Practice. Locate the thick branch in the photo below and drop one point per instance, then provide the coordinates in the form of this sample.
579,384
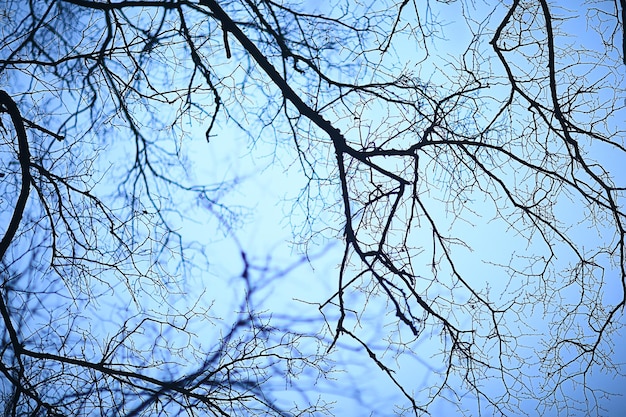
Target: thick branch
9,106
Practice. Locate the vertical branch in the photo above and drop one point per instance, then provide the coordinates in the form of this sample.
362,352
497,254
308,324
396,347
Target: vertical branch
9,106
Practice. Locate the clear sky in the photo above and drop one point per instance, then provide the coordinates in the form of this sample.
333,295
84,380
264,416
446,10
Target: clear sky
272,184
294,241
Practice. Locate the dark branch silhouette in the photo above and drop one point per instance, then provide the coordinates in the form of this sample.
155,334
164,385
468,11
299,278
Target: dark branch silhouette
469,169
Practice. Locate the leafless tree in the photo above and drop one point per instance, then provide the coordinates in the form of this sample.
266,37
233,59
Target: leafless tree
471,168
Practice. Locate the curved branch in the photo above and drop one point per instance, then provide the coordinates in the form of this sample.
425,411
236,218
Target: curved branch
10,107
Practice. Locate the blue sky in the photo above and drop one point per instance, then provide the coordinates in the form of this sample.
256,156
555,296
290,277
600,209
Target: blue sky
271,188
299,238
